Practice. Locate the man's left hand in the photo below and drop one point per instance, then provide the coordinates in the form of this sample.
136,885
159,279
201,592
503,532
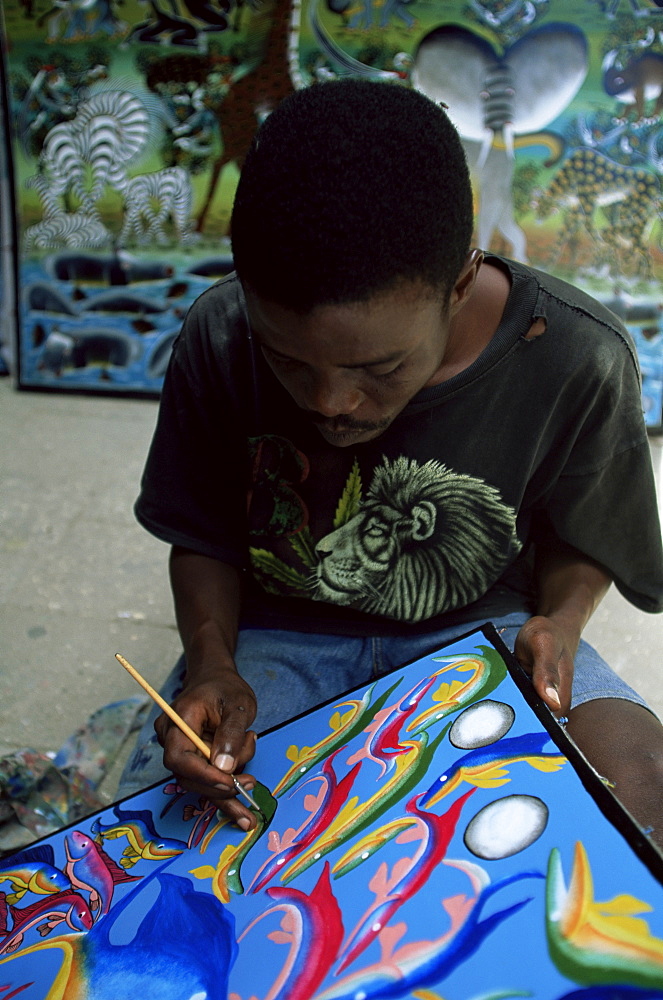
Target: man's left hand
544,650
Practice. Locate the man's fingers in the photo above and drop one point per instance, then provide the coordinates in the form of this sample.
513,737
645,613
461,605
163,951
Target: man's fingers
220,714
197,775
245,818
231,807
541,652
233,746
551,696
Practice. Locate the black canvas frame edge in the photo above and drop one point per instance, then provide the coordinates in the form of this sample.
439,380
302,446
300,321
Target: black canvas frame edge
594,785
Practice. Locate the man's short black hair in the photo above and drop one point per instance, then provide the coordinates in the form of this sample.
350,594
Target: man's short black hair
349,188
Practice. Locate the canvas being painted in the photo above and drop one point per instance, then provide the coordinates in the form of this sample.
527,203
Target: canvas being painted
433,835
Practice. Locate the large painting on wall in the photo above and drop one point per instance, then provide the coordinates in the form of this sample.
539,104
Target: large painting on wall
131,122
434,834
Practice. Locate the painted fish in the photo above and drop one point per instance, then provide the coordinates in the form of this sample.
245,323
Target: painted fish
63,907
355,816
384,742
486,767
144,841
367,846
90,868
33,871
333,796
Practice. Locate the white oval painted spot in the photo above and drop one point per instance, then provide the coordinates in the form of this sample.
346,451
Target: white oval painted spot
505,827
481,724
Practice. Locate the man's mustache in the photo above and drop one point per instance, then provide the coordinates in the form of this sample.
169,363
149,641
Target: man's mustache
339,426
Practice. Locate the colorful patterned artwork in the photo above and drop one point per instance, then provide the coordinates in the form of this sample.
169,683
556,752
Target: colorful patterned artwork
433,835
131,119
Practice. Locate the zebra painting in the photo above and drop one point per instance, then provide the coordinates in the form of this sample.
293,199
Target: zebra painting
67,229
150,200
91,151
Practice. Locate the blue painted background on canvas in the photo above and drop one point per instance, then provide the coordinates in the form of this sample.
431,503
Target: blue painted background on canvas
423,837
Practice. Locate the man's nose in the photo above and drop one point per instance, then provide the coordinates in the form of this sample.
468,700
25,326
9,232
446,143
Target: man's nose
333,395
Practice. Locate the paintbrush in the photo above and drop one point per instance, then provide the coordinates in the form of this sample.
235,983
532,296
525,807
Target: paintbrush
181,724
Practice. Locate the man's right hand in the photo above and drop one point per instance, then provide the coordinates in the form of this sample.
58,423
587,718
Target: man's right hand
217,704
220,709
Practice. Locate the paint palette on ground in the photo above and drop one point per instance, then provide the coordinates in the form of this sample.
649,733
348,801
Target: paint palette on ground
434,834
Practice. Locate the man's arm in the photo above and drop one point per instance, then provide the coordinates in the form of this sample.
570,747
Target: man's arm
570,587
215,702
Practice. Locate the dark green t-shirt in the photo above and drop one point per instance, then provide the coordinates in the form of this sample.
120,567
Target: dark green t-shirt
433,523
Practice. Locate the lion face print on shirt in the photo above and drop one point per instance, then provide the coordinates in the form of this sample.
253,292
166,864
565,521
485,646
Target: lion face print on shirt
422,540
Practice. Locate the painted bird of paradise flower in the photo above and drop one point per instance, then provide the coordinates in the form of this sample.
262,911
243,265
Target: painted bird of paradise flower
344,728
593,942
488,671
355,815
226,875
312,927
433,834
488,767
384,731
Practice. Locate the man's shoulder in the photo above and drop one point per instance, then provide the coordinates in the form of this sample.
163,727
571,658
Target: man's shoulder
216,325
581,325
565,295
213,352
223,300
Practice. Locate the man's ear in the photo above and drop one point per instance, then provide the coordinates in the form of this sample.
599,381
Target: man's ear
466,280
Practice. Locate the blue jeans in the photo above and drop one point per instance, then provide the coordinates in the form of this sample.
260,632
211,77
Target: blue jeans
292,672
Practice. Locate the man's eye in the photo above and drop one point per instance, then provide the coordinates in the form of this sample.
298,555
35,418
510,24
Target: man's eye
278,360
393,372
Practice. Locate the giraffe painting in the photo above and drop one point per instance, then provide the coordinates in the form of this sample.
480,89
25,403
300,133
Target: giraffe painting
252,96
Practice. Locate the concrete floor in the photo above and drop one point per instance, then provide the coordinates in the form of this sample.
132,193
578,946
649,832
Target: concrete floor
81,580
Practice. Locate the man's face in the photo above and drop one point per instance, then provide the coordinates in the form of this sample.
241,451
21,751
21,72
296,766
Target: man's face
352,368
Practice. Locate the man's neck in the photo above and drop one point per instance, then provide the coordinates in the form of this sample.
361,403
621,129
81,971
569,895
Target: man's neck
473,326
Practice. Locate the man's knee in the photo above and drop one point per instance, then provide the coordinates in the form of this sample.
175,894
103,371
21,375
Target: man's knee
624,742
621,733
